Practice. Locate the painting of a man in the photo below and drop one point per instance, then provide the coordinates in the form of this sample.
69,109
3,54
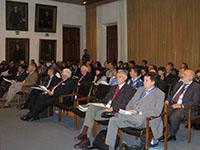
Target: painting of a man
18,54
46,18
47,50
17,49
16,16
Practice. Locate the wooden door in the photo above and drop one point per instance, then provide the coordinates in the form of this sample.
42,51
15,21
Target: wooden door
71,44
112,44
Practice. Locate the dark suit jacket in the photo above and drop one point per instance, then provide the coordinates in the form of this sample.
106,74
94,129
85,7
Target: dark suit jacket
22,76
170,79
191,96
55,80
30,102
86,83
122,98
64,88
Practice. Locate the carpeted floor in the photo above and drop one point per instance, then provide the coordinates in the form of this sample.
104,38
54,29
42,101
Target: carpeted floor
48,134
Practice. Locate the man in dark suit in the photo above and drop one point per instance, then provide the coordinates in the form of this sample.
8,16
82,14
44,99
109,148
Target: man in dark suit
171,76
85,81
183,96
117,98
51,81
50,97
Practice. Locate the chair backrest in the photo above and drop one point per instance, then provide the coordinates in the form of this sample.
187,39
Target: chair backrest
101,91
84,90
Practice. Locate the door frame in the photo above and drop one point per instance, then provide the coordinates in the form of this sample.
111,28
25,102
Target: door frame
108,25
82,35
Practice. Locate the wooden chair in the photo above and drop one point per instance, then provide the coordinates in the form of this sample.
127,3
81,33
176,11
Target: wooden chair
146,132
76,99
100,92
191,118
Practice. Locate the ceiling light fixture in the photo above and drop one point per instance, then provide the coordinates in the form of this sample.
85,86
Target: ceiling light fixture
84,2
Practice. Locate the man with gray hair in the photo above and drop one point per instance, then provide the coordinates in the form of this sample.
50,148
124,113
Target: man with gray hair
50,97
117,98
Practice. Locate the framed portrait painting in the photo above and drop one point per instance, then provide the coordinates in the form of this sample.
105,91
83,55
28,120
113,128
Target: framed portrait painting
17,49
16,16
45,18
47,50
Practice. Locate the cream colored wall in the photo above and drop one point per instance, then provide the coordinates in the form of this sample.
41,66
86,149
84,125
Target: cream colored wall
108,14
67,15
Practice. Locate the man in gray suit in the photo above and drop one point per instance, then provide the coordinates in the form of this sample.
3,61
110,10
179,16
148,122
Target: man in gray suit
147,101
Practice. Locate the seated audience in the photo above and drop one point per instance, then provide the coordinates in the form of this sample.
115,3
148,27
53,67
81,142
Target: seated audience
50,82
109,68
184,66
147,101
162,85
113,78
85,81
25,86
135,81
117,98
99,78
171,76
183,96
20,76
50,97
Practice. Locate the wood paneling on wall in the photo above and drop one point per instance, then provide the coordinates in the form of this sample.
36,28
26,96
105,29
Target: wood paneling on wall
164,30
91,31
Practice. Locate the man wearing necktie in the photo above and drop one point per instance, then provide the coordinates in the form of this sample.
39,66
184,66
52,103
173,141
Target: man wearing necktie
51,81
117,98
183,96
85,82
50,97
148,101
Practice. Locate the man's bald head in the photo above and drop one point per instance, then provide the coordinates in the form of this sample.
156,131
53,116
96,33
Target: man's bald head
188,76
84,70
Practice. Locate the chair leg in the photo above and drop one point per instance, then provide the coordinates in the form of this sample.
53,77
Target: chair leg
61,115
95,126
49,111
76,121
189,131
147,139
165,127
189,125
120,136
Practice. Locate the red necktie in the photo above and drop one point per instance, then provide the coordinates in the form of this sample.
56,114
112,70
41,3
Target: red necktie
56,86
116,92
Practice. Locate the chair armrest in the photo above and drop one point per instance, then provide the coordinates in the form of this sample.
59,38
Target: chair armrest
164,112
192,108
82,99
195,106
66,95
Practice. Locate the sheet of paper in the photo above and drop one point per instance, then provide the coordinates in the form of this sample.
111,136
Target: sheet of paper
10,81
125,112
40,88
98,104
83,108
